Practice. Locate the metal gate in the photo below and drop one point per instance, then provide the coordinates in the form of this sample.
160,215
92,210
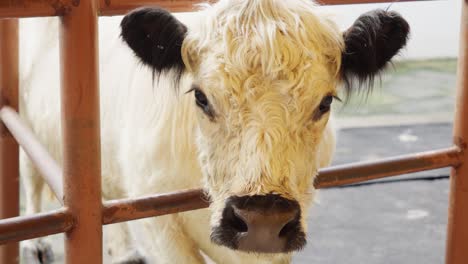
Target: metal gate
83,212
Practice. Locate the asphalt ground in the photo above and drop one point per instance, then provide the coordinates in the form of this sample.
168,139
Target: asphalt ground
394,220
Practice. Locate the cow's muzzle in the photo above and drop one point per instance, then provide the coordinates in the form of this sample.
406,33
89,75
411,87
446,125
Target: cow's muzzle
260,223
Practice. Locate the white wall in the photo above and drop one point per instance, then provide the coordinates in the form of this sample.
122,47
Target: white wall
435,25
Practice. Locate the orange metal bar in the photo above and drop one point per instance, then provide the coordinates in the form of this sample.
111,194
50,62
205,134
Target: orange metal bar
348,2
117,211
130,209
81,132
457,229
46,165
35,8
119,7
9,165
364,171
27,227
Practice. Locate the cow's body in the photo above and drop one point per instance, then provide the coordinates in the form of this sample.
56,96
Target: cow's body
270,108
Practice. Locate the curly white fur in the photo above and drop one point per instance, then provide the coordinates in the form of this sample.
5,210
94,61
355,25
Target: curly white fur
265,66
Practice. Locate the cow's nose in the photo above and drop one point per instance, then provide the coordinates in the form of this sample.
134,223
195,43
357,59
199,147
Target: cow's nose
263,223
265,231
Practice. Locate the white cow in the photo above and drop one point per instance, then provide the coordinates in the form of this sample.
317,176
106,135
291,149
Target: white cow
238,103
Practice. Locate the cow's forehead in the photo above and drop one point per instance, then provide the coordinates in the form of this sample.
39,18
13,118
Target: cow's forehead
262,43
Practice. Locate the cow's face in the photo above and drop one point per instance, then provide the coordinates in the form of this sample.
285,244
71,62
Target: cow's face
265,74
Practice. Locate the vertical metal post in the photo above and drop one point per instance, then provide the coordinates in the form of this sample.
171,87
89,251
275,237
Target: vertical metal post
81,132
9,176
457,230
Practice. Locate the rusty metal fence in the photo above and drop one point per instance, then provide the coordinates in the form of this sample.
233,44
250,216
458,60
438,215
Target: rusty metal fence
78,184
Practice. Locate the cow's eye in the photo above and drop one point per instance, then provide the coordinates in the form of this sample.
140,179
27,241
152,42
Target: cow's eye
202,101
326,104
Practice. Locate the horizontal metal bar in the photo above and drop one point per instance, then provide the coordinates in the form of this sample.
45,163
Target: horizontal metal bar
34,8
47,166
129,209
160,204
120,7
28,227
38,8
364,171
116,211
349,2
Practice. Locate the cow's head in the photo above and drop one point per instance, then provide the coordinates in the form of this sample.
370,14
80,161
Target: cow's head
265,73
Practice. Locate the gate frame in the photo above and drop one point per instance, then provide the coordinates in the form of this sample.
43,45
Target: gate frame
83,213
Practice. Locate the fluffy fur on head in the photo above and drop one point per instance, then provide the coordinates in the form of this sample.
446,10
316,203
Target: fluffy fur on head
264,66
371,42
262,70
277,39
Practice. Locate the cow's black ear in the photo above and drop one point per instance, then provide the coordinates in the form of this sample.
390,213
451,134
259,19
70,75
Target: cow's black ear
370,43
156,37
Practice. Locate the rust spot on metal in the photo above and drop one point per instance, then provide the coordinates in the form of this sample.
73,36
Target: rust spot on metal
460,142
60,8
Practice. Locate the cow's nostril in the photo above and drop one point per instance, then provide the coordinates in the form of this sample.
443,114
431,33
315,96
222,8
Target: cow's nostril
291,226
238,224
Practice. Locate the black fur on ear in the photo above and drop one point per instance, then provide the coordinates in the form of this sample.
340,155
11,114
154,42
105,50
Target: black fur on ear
370,43
156,37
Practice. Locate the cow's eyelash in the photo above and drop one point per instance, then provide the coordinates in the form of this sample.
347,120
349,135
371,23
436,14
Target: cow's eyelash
337,98
192,89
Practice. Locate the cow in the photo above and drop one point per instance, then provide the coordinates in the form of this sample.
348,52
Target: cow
238,103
